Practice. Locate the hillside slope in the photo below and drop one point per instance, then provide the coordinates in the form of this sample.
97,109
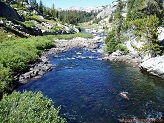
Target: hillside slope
24,21
137,30
8,12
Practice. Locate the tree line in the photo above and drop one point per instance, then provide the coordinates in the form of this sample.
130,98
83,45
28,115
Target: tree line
143,19
70,17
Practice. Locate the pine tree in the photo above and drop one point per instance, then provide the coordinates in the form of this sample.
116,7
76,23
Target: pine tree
154,7
135,9
18,3
33,4
152,35
118,20
41,7
53,11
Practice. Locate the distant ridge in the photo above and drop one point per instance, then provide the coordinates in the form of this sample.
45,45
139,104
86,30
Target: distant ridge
86,9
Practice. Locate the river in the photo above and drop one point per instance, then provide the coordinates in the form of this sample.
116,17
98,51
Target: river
87,89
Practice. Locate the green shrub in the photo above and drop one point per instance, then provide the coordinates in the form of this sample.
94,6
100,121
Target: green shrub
55,28
17,54
111,42
122,47
112,45
5,78
28,107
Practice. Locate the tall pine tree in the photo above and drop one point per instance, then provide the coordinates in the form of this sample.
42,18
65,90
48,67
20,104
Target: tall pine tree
118,20
40,7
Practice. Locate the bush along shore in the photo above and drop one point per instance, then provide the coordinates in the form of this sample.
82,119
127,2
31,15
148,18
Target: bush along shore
19,56
28,107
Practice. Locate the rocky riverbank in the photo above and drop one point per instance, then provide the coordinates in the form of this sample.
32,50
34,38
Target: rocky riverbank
153,66
121,56
42,65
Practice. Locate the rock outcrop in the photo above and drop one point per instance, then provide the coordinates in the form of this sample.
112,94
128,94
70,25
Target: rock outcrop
34,22
154,66
8,12
36,70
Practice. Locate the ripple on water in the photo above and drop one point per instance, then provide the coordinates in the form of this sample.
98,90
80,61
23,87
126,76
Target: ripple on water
87,89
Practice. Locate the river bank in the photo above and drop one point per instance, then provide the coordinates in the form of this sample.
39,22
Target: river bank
153,66
90,89
42,65
121,57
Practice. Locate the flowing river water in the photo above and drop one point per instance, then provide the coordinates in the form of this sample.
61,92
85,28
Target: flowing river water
87,89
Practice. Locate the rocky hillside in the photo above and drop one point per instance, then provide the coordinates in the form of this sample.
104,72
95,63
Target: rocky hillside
102,22
24,21
137,30
8,12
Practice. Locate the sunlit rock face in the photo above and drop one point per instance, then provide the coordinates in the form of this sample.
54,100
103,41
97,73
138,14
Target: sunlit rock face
154,66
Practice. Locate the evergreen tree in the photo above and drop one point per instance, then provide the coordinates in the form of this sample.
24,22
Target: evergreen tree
135,9
154,7
33,4
41,7
146,23
53,11
147,29
118,20
45,10
19,3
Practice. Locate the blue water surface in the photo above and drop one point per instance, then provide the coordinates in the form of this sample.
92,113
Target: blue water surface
87,89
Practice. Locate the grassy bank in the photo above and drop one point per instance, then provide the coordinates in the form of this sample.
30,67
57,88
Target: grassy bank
17,54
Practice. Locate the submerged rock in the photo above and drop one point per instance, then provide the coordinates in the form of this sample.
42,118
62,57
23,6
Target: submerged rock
124,95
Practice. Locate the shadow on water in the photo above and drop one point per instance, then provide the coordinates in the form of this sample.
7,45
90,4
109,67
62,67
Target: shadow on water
87,89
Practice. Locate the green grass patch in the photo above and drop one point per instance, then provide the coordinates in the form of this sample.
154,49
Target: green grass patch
28,24
17,54
34,17
71,36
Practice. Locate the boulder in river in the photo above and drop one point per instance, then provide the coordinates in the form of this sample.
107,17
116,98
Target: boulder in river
154,66
124,95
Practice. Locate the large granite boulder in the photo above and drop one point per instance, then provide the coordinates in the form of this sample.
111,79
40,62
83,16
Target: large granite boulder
118,53
154,66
